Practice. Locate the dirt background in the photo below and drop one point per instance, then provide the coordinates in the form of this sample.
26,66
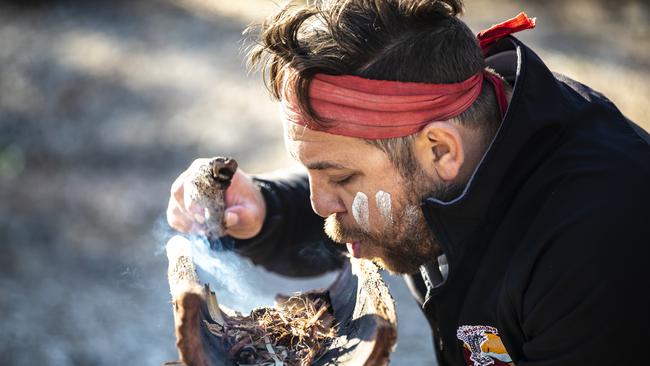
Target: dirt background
103,103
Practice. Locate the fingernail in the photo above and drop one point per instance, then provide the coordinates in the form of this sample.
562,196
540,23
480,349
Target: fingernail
199,218
231,219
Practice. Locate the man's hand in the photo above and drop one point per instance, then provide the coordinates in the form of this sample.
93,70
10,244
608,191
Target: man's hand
245,206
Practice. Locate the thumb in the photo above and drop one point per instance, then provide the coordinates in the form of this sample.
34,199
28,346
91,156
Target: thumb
240,216
242,222
231,218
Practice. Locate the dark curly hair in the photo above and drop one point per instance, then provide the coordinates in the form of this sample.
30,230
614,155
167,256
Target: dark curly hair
401,40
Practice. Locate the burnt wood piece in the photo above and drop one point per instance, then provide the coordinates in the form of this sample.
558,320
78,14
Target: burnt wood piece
193,305
362,306
209,182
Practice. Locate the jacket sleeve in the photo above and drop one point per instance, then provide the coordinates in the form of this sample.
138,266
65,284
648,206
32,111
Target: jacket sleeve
292,241
585,298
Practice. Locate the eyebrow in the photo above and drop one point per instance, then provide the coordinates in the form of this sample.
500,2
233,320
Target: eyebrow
322,165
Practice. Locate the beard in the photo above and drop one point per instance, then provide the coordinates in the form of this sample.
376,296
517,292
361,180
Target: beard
406,243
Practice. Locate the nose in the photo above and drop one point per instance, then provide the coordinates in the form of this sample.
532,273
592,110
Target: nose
323,201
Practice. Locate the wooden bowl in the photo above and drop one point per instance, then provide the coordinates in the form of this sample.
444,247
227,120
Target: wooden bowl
363,308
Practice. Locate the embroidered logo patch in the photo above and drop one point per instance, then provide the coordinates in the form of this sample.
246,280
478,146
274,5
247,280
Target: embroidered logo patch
482,346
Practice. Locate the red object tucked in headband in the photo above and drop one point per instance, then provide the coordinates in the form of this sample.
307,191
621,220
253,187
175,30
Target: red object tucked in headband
489,36
377,109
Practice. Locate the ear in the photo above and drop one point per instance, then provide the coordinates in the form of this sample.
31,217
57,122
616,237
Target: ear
439,149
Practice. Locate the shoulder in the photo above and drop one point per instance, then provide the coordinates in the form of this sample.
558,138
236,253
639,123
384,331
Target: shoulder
578,283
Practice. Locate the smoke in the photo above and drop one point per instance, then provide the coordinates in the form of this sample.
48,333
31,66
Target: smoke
230,276
234,279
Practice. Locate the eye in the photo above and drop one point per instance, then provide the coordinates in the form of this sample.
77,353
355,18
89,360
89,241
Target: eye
342,181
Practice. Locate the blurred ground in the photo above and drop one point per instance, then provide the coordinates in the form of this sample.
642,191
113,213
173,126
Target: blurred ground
102,104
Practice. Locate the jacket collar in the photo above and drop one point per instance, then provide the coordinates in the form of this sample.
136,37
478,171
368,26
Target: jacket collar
459,224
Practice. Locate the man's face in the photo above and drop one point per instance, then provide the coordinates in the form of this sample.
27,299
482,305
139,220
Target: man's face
367,203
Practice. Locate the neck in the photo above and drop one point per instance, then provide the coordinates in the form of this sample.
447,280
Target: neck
476,143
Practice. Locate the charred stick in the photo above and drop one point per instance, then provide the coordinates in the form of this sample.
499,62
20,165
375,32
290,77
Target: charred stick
209,183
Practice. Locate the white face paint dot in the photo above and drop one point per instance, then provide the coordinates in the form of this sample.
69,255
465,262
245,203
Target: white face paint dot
384,205
360,210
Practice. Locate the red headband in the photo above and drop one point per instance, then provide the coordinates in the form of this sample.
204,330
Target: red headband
377,109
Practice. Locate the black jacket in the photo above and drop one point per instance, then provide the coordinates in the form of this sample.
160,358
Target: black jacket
546,251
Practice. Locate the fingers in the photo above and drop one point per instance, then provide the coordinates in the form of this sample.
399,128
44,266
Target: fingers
177,219
176,191
184,214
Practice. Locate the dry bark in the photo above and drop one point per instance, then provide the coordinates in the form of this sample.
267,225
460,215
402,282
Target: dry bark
210,181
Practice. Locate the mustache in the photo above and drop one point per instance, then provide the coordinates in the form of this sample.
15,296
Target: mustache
340,232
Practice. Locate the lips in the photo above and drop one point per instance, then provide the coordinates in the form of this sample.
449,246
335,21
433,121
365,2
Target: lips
354,248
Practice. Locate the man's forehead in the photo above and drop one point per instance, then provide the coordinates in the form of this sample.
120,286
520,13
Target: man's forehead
299,133
319,150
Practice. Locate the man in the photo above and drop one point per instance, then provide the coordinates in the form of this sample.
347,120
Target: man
514,200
